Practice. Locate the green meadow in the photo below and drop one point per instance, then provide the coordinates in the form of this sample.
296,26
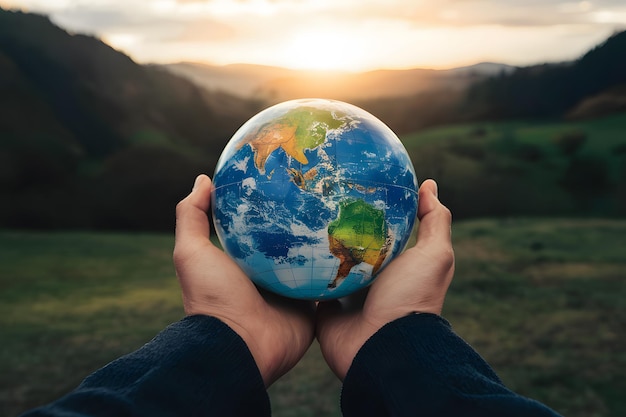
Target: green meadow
541,299
527,168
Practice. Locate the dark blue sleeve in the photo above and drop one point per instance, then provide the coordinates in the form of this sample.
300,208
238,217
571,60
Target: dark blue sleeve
417,366
195,367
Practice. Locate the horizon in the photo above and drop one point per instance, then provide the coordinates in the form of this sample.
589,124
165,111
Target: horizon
348,36
328,71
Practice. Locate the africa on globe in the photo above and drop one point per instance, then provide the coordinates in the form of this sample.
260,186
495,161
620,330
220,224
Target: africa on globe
313,198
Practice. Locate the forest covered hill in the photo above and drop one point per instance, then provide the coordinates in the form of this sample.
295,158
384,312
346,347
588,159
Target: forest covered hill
592,86
87,135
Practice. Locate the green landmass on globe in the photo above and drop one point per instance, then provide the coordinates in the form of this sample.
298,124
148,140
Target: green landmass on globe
359,234
299,129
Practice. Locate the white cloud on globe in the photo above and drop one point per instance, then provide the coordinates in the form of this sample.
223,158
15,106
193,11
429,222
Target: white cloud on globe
248,185
300,229
242,165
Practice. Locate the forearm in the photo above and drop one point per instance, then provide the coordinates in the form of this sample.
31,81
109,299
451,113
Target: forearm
417,365
197,366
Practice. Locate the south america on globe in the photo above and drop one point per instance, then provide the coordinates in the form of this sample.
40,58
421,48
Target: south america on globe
313,198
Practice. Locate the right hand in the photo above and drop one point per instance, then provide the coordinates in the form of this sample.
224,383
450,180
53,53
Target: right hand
416,281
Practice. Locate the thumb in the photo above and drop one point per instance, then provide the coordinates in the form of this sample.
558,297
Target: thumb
192,221
435,218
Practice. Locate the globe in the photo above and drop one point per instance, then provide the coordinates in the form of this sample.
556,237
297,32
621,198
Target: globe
313,198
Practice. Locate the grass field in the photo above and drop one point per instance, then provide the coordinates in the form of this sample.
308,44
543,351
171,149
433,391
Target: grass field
603,135
533,168
541,300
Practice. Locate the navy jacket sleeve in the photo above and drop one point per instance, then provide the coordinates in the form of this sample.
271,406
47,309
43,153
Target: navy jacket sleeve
195,367
417,366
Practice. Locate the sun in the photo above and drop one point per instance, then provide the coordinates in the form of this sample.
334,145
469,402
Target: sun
324,50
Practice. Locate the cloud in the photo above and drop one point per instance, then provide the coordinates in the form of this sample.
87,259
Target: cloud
391,33
102,13
206,30
513,13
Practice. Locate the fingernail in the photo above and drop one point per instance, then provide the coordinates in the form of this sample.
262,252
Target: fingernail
436,190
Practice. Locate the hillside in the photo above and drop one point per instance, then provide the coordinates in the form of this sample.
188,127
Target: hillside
90,139
554,90
274,84
591,86
77,116
409,100
611,100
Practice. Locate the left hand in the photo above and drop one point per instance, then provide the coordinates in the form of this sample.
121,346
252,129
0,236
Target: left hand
278,331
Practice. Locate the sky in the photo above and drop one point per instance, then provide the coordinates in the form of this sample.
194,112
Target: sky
352,35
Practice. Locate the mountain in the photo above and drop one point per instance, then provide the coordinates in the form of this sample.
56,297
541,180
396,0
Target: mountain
594,82
274,84
592,86
407,100
83,128
91,139
243,80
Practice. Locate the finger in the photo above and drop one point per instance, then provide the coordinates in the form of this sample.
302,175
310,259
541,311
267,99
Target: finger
428,199
435,218
192,221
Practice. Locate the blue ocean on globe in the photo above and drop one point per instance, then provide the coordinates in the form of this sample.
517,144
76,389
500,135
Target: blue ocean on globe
313,198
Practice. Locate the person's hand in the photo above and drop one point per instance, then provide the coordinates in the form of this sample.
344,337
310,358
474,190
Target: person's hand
415,282
277,331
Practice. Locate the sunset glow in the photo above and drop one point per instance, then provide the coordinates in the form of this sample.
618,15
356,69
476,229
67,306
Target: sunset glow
351,35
